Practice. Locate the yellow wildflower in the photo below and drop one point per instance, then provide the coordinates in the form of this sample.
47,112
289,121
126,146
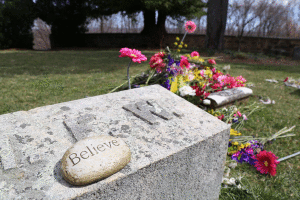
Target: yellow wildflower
185,45
241,147
180,46
235,143
247,144
186,78
174,85
175,43
181,43
178,50
177,38
234,132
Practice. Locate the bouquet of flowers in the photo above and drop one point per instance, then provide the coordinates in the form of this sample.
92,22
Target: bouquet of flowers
190,75
251,150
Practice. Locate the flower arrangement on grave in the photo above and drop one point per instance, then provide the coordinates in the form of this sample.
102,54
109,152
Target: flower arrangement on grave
188,75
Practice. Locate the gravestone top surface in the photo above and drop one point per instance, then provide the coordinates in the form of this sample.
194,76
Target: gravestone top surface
153,122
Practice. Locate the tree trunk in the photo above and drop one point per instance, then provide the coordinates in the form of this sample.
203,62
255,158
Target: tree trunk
161,28
150,30
149,22
216,24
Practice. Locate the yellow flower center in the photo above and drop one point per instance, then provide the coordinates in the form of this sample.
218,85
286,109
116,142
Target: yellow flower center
266,163
133,55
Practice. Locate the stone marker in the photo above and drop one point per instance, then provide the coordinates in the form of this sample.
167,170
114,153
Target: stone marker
178,151
94,158
296,53
228,97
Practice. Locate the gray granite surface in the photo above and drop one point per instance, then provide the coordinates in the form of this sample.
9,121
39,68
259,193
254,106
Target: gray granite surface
177,150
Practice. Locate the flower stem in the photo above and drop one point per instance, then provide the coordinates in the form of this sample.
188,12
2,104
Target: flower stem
122,84
184,36
284,158
150,76
128,74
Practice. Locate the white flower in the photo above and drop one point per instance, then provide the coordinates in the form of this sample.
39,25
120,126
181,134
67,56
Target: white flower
227,172
239,186
192,65
206,102
225,180
231,181
232,165
187,90
227,67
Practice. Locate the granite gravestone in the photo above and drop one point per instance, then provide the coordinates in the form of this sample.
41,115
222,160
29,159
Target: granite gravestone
296,53
229,96
178,151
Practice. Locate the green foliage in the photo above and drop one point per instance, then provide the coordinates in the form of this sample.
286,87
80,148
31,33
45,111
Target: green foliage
16,20
67,17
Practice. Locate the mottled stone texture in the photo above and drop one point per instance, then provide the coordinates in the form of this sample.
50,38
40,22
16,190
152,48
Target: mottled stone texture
193,173
177,150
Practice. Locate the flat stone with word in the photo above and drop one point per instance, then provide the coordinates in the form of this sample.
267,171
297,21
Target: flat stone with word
94,158
178,151
229,96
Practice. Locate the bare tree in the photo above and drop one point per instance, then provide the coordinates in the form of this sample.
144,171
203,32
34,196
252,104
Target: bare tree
244,15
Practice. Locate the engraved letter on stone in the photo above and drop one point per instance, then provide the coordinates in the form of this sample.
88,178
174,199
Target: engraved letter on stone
145,109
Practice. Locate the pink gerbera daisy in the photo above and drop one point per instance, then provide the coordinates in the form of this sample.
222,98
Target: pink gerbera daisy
190,26
195,53
266,163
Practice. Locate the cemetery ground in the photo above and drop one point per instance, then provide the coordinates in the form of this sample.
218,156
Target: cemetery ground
31,79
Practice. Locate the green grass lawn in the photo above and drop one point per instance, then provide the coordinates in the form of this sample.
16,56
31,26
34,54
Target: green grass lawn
30,79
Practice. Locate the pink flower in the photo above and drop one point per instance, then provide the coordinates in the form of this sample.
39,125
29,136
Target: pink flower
211,61
125,52
202,73
157,63
195,53
285,80
266,163
160,54
221,117
241,79
245,117
135,55
239,113
184,62
190,26
213,70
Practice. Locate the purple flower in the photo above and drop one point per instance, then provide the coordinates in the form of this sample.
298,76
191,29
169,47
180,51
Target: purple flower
171,61
235,120
177,62
166,84
235,156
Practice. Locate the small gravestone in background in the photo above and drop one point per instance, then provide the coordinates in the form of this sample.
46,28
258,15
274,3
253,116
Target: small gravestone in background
296,53
178,151
229,97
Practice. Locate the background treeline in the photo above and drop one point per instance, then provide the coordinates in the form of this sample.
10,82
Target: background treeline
20,20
